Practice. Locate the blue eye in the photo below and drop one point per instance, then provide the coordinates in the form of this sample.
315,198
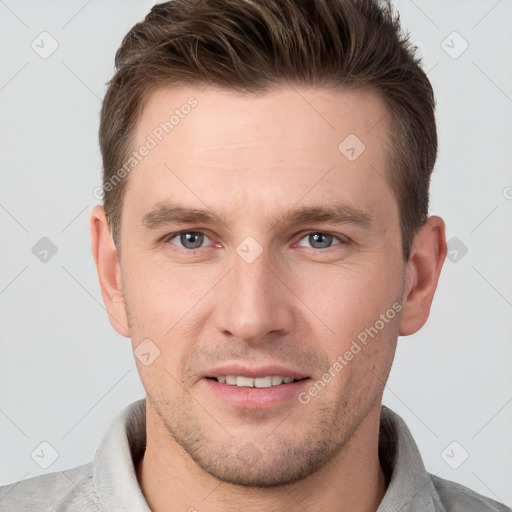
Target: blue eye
320,240
192,240
189,239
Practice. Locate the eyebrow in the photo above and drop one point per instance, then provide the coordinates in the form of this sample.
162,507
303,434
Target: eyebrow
333,214
168,213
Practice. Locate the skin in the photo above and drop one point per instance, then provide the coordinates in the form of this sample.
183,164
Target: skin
251,160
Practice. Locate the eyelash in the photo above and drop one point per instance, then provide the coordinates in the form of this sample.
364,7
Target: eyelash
341,239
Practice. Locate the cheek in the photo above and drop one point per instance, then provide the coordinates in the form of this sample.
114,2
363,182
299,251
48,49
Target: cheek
160,294
360,308
347,298
163,303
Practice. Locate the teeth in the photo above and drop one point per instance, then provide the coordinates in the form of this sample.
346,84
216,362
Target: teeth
277,380
257,382
246,382
262,382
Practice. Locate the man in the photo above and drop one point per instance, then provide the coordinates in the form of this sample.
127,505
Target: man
264,240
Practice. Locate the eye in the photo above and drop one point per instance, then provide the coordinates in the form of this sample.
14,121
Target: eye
319,240
188,239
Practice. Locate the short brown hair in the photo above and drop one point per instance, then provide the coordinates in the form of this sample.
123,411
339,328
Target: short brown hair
251,46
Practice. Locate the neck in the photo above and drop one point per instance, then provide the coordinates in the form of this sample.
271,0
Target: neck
351,481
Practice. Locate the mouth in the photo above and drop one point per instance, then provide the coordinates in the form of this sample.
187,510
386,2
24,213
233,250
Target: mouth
244,387
255,382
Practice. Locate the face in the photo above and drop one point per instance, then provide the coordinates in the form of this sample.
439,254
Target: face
256,248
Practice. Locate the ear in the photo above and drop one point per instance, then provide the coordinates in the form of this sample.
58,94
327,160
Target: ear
428,253
109,270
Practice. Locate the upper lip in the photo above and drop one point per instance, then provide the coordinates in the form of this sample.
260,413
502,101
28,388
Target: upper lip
244,370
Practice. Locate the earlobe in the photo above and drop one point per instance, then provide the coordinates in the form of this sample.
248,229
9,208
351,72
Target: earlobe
422,275
109,270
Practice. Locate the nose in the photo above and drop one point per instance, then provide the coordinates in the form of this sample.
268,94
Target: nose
254,303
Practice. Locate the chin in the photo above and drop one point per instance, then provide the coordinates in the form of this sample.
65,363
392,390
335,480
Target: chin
243,463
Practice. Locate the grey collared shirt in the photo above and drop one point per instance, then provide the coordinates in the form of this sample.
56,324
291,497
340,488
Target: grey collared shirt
109,482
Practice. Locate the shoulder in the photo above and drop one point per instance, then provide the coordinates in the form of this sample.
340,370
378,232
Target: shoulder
458,498
60,491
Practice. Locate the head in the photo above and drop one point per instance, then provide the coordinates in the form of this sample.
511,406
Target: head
255,46
266,175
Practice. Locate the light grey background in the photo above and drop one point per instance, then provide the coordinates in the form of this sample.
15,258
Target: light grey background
65,373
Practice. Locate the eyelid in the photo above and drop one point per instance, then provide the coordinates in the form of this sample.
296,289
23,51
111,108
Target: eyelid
170,236
341,238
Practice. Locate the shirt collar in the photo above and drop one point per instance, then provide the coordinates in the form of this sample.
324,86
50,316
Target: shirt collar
115,480
114,477
410,486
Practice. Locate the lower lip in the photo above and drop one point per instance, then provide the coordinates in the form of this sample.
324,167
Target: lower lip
256,398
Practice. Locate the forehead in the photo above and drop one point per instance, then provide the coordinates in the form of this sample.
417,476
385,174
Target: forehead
219,148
